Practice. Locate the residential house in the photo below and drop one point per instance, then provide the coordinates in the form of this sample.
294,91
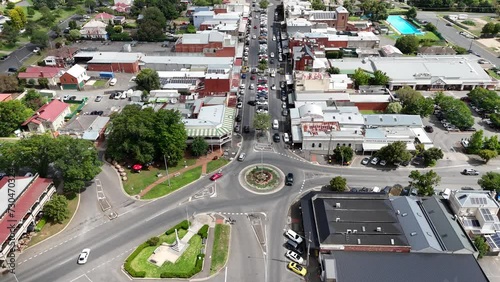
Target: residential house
61,58
436,50
87,127
94,29
33,74
122,6
359,26
50,117
104,18
74,78
119,20
4,97
202,16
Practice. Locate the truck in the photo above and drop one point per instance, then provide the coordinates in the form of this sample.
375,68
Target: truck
106,74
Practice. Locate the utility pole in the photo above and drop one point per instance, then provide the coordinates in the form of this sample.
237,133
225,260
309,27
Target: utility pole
166,168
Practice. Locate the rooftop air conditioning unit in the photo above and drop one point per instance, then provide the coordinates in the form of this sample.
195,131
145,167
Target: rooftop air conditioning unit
379,229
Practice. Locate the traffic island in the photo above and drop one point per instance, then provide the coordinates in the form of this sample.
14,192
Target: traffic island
262,179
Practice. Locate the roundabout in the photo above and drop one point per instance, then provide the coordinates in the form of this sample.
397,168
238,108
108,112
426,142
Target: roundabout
262,179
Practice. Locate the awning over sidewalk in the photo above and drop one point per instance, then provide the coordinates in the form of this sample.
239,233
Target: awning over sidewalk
372,147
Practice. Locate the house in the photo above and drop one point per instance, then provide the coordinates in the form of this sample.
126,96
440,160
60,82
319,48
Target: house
104,18
436,50
29,197
50,117
210,43
94,29
4,97
33,74
121,7
337,19
390,51
87,127
359,26
74,78
202,16
119,20
61,58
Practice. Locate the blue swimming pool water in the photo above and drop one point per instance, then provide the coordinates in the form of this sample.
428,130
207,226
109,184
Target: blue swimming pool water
403,26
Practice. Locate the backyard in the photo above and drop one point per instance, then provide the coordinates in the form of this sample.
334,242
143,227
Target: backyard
220,251
136,182
176,182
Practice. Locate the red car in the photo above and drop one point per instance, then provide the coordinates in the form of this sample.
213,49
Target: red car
252,77
254,27
216,176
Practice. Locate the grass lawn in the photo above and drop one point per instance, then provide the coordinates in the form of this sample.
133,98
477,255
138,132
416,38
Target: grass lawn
50,229
221,247
33,59
176,182
138,181
216,164
182,19
370,112
169,239
429,35
99,83
493,74
184,264
353,18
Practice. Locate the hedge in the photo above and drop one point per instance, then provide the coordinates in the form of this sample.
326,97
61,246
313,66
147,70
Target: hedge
457,23
188,274
130,258
203,232
182,225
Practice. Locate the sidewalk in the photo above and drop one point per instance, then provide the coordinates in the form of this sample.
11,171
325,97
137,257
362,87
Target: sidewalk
202,161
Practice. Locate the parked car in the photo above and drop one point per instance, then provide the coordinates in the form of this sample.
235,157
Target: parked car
300,270
292,235
276,124
374,161
112,82
470,171
293,256
429,128
284,112
239,105
246,129
84,256
293,246
286,137
383,162
365,161
216,176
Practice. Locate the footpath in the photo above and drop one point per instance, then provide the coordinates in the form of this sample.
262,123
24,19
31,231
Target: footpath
202,161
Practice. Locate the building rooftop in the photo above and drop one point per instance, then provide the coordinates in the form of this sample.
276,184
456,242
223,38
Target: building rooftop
40,72
189,60
474,199
48,112
393,120
212,121
115,57
408,267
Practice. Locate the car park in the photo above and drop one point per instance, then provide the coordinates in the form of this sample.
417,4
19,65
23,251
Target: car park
293,256
470,171
365,161
216,176
298,269
84,256
374,161
241,157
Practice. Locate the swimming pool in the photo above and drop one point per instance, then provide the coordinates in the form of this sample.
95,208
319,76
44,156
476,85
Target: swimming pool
403,26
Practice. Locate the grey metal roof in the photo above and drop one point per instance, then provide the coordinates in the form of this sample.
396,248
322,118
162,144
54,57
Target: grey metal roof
393,120
416,228
406,267
189,60
449,231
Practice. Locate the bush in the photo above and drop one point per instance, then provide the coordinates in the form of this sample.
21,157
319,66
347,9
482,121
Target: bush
469,22
182,225
120,37
41,224
130,258
153,241
203,232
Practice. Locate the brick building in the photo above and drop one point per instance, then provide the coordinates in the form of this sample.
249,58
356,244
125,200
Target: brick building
210,43
115,62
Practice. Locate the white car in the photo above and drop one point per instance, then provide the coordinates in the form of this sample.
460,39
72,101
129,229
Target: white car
133,79
293,256
242,86
66,97
239,105
260,103
124,95
283,105
292,235
247,49
383,162
274,37
276,124
112,82
83,257
252,86
286,139
272,74
272,55
118,95
365,161
374,161
273,87
254,36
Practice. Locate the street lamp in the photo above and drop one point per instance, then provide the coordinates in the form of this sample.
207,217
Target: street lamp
166,168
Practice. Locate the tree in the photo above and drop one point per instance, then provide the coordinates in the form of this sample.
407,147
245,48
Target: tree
360,78
476,142
15,20
151,27
418,105
459,50
118,29
13,114
487,155
91,4
430,27
394,153
495,119
262,121
31,11
411,13
56,209
199,146
338,184
262,65
318,5
48,17
40,38
8,83
143,135
490,181
375,10
497,28
488,29
343,154
407,44
455,111
73,35
431,155
10,34
492,143
43,82
333,70
379,78
407,93
72,25
263,4
394,108
488,100
34,100
148,80
22,15
481,246
70,4
79,10
424,182
190,29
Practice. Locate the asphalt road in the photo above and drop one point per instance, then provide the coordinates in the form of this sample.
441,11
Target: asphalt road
452,35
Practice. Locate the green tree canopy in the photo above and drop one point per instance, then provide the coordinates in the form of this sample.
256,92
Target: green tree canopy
485,99
143,135
360,78
151,27
490,181
148,79
487,155
476,142
481,246
73,35
394,153
34,100
40,38
262,121
318,5
375,10
414,103
456,112
56,209
8,83
407,44
338,184
199,146
430,27
394,108
13,113
411,13
333,70
425,182
488,28
379,78
264,4
432,155
343,153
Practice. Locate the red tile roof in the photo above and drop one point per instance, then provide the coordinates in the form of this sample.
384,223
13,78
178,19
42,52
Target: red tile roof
48,112
238,62
23,203
5,97
39,72
104,16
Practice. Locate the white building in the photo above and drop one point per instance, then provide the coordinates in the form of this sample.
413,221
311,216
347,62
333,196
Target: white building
94,29
213,123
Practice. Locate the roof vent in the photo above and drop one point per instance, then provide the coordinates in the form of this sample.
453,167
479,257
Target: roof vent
413,233
337,205
363,228
337,219
359,241
349,231
392,241
379,229
355,231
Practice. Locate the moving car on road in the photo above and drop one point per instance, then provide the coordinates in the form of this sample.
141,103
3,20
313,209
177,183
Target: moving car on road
470,171
216,176
241,157
83,257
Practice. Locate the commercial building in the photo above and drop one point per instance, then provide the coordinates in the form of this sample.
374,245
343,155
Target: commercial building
30,195
460,72
50,117
113,61
210,43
